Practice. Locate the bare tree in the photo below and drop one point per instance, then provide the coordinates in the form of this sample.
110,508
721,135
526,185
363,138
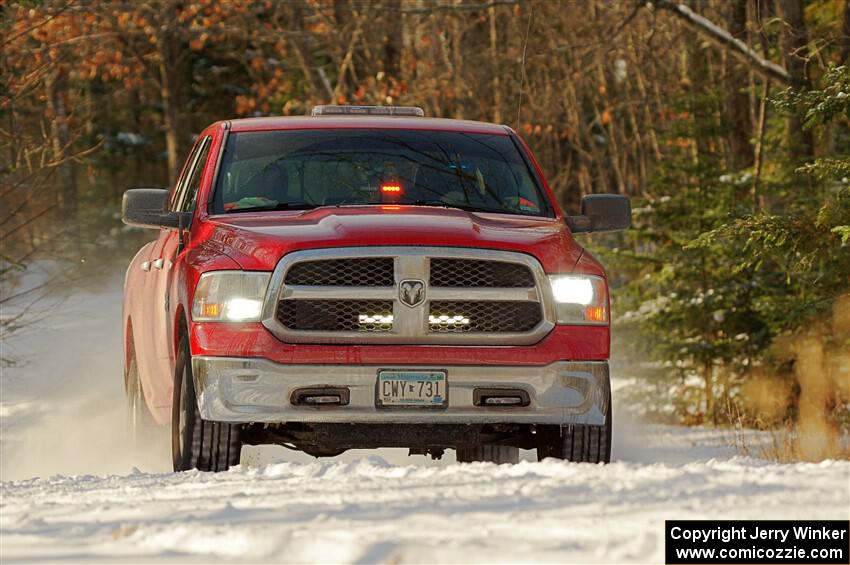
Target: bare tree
794,43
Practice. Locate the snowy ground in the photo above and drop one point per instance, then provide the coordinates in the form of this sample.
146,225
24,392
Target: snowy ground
98,499
370,511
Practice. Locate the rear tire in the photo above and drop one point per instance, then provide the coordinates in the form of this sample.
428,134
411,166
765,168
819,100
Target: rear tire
490,453
197,443
578,442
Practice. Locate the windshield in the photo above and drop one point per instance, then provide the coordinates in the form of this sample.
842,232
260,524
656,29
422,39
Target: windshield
301,169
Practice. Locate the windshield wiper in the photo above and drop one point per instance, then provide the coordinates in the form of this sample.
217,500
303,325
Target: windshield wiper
273,207
464,207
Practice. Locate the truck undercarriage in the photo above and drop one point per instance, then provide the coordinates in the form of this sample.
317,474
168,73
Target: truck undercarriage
328,440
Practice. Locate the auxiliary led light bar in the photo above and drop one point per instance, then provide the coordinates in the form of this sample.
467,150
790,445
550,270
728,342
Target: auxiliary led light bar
388,319
449,320
376,319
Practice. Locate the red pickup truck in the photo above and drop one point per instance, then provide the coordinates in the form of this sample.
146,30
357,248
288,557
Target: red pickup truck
367,277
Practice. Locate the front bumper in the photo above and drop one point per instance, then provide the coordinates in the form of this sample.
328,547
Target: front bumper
235,389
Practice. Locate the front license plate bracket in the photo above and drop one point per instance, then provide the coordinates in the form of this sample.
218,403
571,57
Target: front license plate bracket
397,388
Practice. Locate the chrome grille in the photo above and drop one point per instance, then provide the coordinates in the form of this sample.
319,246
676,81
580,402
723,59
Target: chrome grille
372,271
477,273
363,295
336,315
483,316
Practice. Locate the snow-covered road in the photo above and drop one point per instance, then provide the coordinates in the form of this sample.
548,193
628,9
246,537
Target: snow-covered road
368,510
61,419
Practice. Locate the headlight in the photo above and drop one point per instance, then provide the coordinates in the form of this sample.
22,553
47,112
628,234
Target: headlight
230,296
580,299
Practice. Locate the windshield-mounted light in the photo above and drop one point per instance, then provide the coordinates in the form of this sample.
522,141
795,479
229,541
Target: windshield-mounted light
580,299
230,296
391,188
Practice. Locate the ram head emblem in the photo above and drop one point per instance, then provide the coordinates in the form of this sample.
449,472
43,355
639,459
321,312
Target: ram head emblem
411,292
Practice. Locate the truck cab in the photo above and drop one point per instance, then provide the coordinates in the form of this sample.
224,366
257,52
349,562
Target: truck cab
368,277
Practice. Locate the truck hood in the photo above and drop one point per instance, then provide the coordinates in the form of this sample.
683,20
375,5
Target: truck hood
258,240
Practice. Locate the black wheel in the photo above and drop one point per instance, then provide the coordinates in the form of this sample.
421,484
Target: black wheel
139,419
197,443
579,443
490,453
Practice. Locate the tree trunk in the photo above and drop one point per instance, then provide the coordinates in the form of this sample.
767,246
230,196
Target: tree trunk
171,86
494,66
345,31
295,12
393,42
65,181
793,41
737,101
708,380
845,42
458,64
755,193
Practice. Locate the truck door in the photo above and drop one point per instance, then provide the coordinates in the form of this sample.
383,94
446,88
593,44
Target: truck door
162,259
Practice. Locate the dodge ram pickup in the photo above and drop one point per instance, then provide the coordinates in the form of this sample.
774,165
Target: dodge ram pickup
368,277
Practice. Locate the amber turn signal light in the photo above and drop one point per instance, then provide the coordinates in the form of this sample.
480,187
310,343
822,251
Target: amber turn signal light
595,314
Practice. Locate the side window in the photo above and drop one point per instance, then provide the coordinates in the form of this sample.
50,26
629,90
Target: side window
188,190
177,189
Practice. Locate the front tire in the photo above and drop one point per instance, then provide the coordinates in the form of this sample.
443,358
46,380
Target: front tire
578,443
197,443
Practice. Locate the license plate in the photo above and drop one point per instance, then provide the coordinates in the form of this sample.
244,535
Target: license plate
412,388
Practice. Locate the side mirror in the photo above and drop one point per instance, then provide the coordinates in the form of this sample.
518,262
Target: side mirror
601,213
147,208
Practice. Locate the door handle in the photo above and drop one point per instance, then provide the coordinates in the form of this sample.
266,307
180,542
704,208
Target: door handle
145,266
158,263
